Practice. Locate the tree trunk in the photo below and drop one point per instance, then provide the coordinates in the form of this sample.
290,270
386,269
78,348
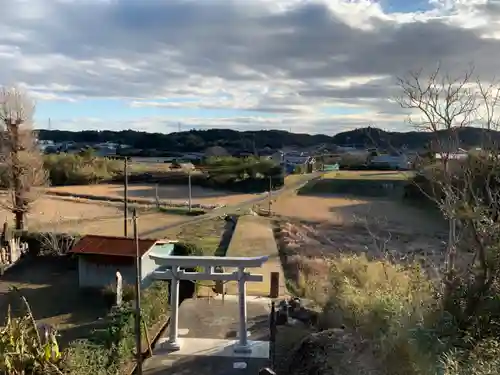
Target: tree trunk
19,220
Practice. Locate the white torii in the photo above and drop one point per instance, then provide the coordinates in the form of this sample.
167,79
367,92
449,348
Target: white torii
175,274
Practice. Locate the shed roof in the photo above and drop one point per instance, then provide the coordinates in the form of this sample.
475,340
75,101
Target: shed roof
111,246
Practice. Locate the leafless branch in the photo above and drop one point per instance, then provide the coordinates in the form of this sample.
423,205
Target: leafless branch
21,161
467,191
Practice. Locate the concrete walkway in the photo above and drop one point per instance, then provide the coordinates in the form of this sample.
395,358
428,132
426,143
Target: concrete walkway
207,335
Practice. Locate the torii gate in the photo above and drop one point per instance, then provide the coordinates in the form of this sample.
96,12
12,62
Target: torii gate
172,271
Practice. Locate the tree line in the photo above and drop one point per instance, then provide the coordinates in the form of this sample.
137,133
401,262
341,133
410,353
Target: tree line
200,140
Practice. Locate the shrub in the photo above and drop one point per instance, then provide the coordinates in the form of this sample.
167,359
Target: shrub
48,243
378,300
187,249
24,349
109,294
71,169
110,348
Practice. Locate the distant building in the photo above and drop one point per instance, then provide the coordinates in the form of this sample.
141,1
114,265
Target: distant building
216,151
290,161
400,161
457,155
99,257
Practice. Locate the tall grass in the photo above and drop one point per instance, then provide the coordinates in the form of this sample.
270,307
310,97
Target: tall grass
398,311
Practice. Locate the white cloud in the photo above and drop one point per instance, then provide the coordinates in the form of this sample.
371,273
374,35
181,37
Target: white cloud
292,58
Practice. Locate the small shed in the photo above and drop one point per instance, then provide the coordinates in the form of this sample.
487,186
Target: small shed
99,257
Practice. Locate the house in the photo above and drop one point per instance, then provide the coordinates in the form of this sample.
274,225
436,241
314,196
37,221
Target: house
290,161
99,257
398,162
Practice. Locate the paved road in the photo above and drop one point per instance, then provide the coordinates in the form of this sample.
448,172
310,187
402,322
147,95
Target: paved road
232,208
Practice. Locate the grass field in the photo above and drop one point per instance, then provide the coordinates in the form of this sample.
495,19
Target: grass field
254,237
206,234
369,175
360,183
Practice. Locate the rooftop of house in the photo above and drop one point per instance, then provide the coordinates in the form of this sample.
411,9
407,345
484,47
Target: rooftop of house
111,246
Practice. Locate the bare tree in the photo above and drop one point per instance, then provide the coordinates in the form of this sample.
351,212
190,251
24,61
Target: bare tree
466,190
24,174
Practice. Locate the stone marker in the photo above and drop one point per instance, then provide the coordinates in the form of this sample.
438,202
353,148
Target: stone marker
119,288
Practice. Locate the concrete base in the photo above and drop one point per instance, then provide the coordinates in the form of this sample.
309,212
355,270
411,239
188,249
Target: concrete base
171,346
214,347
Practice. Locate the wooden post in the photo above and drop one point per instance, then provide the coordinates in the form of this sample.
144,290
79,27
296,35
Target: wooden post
125,197
157,197
270,193
274,288
138,346
190,190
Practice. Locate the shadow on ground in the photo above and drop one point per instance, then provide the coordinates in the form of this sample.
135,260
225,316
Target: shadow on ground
388,188
51,288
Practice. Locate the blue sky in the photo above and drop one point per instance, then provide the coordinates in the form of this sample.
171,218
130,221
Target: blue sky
317,66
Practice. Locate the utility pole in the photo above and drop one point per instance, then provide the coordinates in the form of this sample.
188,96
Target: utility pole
138,346
190,190
125,196
270,193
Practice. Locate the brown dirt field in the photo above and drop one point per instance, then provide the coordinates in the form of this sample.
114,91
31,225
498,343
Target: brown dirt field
173,193
320,226
53,212
115,227
64,215
340,210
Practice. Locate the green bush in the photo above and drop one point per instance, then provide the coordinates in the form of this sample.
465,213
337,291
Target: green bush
80,169
107,350
109,294
187,249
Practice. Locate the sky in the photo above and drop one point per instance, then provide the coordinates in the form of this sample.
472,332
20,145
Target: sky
309,66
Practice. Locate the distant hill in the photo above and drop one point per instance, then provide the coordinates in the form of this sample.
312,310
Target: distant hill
199,140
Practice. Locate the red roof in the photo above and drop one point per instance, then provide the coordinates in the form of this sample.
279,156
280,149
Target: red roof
111,246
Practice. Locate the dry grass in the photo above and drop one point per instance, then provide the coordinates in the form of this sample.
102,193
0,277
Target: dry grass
171,193
371,304
342,253
206,234
254,237
369,175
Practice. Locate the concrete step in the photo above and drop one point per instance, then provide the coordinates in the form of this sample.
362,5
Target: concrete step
213,365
